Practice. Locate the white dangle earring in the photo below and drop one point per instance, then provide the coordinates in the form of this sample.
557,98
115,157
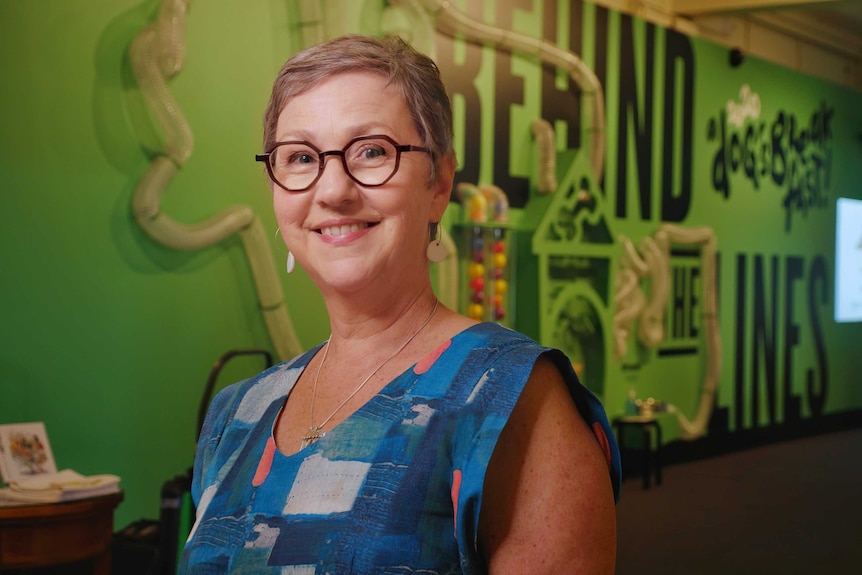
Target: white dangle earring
436,251
291,261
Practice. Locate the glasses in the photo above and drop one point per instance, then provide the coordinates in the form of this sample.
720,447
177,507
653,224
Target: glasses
368,160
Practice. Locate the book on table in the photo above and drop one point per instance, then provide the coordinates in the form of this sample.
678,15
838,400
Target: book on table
29,471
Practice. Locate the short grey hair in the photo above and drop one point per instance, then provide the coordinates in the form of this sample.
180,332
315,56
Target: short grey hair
413,74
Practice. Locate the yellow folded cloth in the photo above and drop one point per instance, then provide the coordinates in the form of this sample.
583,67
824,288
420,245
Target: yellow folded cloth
65,485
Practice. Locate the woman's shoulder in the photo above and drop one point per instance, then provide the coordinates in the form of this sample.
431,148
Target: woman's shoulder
490,343
492,334
481,359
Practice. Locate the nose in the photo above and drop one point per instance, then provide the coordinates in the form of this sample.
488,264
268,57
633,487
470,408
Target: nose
334,188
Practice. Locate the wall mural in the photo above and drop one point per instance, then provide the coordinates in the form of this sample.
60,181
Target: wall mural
620,194
574,291
641,316
796,156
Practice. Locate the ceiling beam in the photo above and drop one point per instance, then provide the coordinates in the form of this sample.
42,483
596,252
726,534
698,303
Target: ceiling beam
702,7
813,32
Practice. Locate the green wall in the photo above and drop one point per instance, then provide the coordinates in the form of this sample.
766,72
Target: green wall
106,336
109,338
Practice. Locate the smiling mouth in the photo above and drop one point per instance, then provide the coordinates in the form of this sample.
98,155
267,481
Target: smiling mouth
336,231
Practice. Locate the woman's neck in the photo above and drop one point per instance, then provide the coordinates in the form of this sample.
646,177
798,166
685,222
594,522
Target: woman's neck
379,317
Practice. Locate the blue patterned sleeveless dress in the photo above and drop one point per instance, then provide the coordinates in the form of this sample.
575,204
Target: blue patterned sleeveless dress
395,488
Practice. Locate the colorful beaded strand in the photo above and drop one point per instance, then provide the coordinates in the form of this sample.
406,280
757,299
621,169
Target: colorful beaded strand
476,273
500,285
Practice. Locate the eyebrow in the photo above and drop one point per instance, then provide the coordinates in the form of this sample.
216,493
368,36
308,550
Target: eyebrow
357,131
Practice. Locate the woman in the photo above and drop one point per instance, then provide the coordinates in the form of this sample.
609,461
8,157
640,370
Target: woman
414,440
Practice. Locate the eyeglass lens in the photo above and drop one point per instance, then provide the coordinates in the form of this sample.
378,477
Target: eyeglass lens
369,161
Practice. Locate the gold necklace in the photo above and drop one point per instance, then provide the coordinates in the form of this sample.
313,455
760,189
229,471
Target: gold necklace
316,432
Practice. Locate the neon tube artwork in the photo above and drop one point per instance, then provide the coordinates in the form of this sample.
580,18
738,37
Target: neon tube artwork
157,54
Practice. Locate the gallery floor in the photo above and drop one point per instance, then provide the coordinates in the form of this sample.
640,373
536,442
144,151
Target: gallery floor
792,507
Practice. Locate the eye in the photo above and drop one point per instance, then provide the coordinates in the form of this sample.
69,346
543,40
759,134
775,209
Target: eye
295,156
373,151
370,152
301,158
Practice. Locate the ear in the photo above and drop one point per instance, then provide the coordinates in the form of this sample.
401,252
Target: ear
442,190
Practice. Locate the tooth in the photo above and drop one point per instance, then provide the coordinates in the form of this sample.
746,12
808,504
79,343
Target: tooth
342,230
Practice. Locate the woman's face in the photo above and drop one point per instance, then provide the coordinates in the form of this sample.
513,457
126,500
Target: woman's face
345,235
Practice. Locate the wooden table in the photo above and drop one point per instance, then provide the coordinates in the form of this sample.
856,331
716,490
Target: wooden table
44,535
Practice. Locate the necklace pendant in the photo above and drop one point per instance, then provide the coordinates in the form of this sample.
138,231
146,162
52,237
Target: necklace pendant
311,436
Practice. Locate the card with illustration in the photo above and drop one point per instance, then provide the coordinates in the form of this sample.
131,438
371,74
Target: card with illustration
25,451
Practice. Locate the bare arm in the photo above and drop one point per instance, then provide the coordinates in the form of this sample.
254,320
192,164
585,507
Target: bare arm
548,504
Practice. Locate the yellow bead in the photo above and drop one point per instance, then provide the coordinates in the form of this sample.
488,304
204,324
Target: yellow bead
500,286
476,270
475,311
499,260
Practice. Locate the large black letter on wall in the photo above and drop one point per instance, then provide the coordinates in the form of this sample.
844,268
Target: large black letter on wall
739,373
674,207
792,405
638,118
460,81
508,90
818,279
765,330
557,104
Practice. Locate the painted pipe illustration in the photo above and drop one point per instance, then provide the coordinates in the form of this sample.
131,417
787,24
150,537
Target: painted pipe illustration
157,53
544,134
450,20
631,305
